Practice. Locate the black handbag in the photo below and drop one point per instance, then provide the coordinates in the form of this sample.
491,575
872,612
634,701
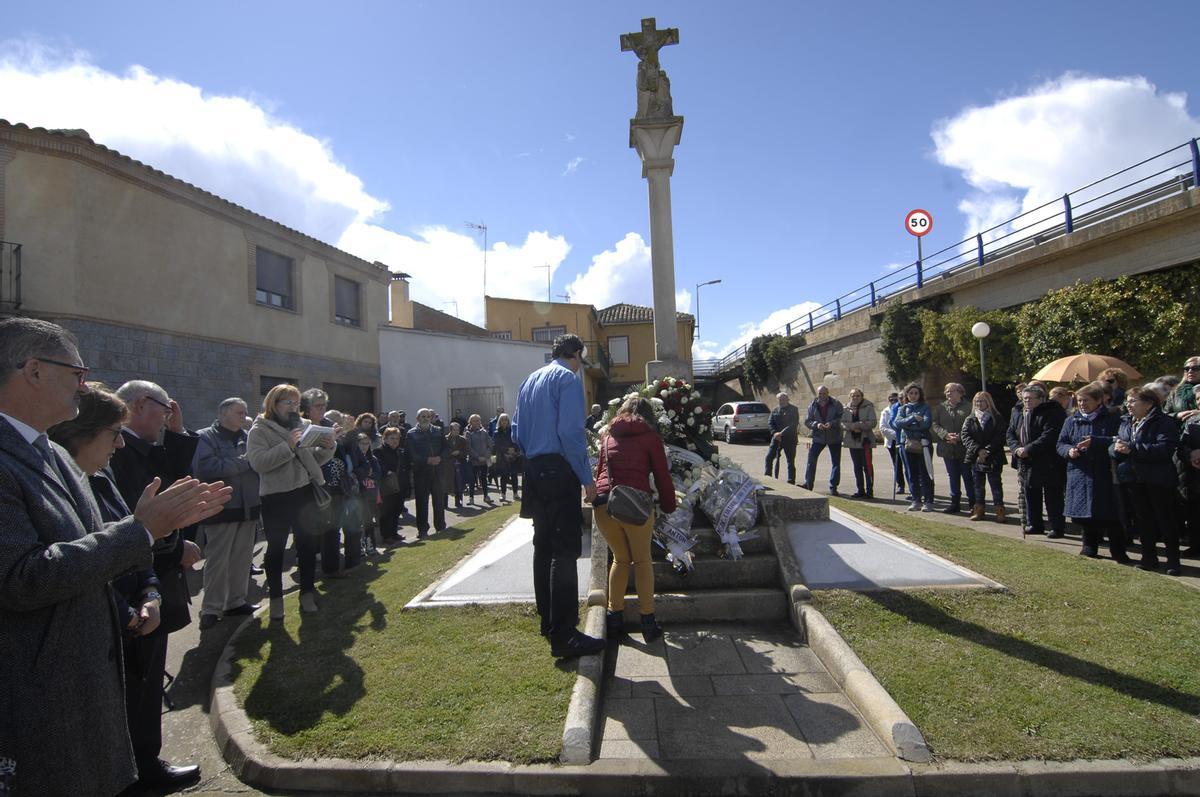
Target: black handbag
389,484
174,613
913,445
629,504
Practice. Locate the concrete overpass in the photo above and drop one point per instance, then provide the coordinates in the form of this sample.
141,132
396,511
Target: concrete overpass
1145,218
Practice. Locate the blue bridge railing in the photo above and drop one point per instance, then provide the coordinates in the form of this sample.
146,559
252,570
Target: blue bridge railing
1133,187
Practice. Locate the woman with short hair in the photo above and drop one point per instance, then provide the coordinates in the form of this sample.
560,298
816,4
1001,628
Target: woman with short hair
479,442
1090,497
859,421
394,476
1143,451
630,451
287,473
508,457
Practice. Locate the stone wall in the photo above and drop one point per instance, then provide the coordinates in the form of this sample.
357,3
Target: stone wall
199,372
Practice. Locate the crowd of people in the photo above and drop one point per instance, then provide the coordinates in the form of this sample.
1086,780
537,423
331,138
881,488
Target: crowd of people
1121,461
111,499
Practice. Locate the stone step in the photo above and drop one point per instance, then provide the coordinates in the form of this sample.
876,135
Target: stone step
712,572
709,543
709,606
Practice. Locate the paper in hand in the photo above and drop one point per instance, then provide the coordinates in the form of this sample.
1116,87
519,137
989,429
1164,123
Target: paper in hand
313,434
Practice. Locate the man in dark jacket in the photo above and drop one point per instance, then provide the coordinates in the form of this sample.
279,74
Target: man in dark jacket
784,424
157,445
229,536
427,446
1033,439
824,419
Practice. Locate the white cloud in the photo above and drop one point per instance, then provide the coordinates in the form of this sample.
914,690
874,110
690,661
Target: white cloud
572,166
230,146
773,323
447,265
1023,151
683,300
620,274
569,137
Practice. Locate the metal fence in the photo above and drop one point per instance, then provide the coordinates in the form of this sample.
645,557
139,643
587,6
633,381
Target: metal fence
1133,187
10,275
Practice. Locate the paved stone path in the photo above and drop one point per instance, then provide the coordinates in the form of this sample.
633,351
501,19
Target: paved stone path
727,692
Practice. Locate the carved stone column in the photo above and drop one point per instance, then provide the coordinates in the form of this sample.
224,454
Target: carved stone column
655,140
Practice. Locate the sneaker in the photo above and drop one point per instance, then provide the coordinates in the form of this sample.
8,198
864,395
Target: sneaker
1173,571
927,508
914,507
208,621
577,644
1055,535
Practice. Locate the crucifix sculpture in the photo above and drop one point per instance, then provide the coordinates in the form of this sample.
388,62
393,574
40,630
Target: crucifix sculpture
653,85
654,132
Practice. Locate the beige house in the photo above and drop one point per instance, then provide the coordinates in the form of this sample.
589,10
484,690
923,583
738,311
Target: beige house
164,281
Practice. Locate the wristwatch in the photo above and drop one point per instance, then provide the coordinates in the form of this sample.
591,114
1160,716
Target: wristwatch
152,596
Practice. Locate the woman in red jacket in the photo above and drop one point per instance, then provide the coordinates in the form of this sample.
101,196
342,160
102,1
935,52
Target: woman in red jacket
629,452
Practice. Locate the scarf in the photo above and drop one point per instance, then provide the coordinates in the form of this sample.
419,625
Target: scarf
983,416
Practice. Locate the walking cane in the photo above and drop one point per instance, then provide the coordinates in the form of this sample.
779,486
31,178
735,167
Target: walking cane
779,449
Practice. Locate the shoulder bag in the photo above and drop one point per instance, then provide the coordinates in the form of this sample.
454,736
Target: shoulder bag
628,504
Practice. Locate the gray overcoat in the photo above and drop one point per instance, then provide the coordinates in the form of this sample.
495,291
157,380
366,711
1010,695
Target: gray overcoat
62,704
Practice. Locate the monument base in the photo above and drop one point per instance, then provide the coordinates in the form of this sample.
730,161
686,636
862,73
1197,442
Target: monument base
658,369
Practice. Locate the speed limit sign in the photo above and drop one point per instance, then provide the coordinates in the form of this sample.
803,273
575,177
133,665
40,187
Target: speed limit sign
918,222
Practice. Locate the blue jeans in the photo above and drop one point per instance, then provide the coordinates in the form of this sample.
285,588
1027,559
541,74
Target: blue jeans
920,484
993,479
958,475
835,454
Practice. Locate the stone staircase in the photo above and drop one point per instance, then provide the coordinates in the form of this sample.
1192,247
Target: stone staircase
747,590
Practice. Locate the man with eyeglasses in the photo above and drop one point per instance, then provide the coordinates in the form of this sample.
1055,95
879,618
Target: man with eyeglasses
63,701
1182,403
157,445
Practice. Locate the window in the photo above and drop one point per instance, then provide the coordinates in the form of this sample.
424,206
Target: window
346,294
355,399
506,335
273,279
547,334
618,350
265,383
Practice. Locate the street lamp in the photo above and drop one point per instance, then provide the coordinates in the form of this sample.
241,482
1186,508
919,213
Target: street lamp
483,228
698,287
981,330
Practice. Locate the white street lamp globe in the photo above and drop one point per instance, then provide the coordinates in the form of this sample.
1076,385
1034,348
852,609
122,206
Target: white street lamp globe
981,329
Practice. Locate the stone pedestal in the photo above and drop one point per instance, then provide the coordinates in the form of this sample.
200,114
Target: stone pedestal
655,140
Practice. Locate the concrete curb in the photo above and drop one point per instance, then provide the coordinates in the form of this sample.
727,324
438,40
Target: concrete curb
881,712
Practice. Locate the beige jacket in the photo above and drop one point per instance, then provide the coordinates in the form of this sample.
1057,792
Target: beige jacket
281,468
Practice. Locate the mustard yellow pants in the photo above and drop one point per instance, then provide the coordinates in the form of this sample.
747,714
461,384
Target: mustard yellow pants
630,546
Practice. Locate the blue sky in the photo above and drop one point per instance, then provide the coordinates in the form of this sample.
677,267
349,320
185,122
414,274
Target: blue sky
810,129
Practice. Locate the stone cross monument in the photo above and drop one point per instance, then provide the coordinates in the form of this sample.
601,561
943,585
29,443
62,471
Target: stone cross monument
654,132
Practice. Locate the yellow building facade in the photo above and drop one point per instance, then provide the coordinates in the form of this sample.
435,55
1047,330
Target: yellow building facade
620,338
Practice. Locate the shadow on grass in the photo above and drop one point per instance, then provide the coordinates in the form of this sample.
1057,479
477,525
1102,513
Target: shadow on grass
310,674
919,611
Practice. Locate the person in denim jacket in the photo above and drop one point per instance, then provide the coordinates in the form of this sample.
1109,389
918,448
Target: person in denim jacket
912,423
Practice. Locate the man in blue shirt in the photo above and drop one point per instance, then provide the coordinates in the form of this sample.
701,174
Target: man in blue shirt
548,425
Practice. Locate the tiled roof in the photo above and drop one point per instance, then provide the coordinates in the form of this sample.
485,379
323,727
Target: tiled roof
81,138
632,314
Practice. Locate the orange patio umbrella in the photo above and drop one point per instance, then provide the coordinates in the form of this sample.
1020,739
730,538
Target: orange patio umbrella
1083,367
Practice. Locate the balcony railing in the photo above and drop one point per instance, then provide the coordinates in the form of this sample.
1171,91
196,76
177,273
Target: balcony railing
598,356
10,275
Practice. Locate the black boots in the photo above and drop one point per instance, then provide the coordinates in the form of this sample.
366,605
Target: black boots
651,630
614,623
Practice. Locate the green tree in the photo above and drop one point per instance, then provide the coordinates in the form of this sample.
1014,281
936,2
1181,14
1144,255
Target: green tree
947,342
902,337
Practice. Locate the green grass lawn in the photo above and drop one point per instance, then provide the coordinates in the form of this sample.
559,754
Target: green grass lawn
366,678
1082,659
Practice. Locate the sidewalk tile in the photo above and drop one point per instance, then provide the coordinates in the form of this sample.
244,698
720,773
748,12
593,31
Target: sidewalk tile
748,726
764,656
773,683
629,719
624,748
641,660
700,653
672,686
833,727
